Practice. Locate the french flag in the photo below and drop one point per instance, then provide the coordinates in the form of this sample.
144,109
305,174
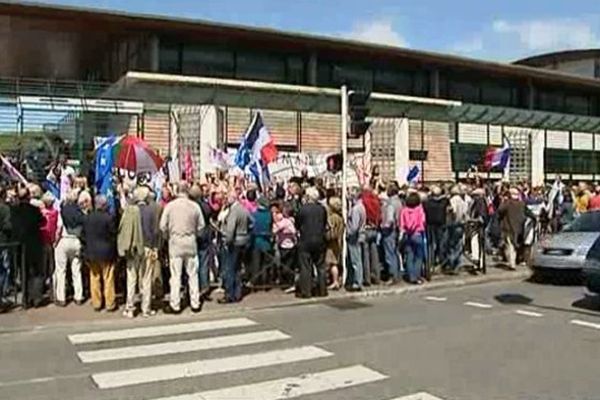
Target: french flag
257,145
495,157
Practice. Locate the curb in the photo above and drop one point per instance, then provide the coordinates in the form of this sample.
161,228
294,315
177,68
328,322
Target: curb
292,302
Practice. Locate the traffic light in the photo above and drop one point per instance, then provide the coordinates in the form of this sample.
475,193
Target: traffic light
358,110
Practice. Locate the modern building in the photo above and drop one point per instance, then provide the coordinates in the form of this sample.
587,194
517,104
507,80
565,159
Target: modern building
578,62
193,84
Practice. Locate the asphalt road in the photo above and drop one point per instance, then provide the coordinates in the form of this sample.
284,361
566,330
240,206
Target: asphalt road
497,341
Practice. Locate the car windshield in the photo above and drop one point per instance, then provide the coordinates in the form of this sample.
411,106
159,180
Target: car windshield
586,222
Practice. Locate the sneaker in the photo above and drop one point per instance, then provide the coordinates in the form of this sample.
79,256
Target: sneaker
80,302
169,310
128,313
59,303
148,314
196,310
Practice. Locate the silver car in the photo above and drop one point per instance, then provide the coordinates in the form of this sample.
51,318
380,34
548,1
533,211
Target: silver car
570,249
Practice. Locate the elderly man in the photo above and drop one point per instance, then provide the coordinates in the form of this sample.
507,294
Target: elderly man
182,223
436,211
456,229
68,250
237,238
355,234
311,222
392,205
512,213
100,250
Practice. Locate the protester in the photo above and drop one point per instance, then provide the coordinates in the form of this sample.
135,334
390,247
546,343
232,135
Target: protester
5,252
412,229
48,232
512,213
261,244
436,211
236,238
335,235
355,235
68,251
27,221
286,240
311,222
99,234
182,222
200,194
371,265
392,205
456,230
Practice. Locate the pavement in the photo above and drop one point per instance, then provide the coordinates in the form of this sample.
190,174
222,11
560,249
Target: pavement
503,339
51,315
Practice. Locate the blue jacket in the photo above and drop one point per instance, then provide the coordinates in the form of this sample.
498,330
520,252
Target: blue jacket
262,229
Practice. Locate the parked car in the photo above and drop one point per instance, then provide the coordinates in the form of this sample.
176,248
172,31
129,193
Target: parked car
568,252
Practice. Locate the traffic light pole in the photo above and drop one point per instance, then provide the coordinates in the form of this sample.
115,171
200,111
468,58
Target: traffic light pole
344,122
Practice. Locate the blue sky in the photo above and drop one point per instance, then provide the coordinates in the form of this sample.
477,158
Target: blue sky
502,30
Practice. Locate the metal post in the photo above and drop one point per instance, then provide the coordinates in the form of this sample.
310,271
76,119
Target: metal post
344,122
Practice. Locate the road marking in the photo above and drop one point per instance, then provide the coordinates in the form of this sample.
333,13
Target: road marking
291,387
529,313
107,380
182,346
152,331
418,396
478,305
585,323
433,298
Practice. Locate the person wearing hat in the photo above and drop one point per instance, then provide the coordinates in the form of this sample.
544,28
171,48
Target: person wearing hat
436,210
261,243
512,213
456,229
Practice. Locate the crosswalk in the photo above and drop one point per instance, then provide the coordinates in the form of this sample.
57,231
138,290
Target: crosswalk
166,344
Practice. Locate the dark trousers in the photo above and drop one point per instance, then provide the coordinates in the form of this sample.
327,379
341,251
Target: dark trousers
261,268
232,272
287,259
309,255
370,252
437,240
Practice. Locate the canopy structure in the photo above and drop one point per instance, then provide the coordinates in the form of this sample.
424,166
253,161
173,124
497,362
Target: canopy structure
252,94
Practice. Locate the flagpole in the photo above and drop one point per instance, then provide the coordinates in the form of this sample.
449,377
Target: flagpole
344,129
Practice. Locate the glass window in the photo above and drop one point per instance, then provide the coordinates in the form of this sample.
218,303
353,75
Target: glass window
465,155
577,105
557,161
295,73
356,76
170,57
260,66
586,222
584,162
463,90
495,94
549,100
201,60
324,74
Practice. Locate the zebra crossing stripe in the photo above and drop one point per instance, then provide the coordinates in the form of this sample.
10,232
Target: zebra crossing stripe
107,380
152,331
291,387
418,396
182,346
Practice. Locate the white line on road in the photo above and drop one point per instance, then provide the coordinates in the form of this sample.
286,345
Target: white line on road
152,331
529,313
182,346
477,305
291,387
585,323
434,298
107,380
418,396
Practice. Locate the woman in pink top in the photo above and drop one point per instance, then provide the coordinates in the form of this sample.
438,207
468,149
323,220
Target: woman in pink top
48,232
412,229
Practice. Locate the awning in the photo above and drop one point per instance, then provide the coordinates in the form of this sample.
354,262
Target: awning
179,89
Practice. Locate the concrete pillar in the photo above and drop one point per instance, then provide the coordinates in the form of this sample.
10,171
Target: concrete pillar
537,157
312,69
208,137
401,148
434,83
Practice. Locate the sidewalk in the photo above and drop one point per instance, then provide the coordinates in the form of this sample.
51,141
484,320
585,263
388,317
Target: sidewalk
19,320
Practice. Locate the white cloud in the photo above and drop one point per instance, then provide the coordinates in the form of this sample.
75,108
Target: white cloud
550,34
379,31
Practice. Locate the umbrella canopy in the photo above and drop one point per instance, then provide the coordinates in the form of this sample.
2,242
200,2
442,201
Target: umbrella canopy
133,154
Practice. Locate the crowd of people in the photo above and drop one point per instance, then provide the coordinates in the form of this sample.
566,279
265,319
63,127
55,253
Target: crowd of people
232,235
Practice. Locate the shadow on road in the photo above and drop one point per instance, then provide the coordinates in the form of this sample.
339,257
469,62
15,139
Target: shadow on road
590,303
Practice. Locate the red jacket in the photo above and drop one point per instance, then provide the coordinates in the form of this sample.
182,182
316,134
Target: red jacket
48,229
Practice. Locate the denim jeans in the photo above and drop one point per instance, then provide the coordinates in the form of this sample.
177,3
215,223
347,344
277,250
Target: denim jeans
355,264
371,266
438,239
456,233
4,272
415,255
232,272
204,254
390,245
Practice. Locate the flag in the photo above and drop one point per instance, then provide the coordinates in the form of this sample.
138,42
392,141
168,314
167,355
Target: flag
219,158
495,157
257,144
414,174
260,172
103,174
12,172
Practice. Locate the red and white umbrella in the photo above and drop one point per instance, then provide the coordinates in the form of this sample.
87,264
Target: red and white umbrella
133,154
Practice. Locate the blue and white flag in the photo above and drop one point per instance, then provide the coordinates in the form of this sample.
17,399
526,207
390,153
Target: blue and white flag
414,174
104,164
